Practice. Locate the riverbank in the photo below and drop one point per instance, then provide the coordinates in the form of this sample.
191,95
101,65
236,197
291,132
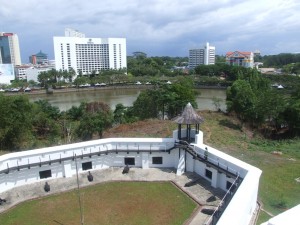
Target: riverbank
72,89
90,89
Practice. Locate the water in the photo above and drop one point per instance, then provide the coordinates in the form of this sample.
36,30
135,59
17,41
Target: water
112,97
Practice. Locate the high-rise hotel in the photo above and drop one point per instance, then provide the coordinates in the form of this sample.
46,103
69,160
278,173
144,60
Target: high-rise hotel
89,54
202,56
9,49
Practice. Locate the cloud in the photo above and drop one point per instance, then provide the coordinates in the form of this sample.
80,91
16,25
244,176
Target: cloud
169,27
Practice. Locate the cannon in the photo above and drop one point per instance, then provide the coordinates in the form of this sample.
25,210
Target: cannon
47,187
90,177
126,169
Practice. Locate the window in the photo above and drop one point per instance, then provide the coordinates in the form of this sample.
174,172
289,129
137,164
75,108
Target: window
208,173
45,174
228,185
129,161
87,166
157,160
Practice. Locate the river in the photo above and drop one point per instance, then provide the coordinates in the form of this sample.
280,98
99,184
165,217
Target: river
126,96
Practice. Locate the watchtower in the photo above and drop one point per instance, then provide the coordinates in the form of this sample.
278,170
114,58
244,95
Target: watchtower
188,118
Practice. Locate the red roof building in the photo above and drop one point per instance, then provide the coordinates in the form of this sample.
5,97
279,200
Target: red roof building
237,58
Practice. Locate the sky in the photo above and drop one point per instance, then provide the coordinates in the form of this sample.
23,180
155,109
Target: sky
158,27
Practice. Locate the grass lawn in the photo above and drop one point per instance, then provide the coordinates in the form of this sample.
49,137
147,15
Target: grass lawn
139,203
278,188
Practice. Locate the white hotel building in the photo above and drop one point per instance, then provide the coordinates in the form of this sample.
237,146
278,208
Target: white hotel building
89,54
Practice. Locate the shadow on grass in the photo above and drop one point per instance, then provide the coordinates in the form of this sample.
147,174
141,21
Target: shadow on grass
229,124
58,222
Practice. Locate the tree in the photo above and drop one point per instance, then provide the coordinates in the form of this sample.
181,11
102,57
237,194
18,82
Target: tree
165,99
291,113
120,114
43,78
76,113
183,92
71,74
52,112
145,106
96,119
80,80
241,100
15,122
46,122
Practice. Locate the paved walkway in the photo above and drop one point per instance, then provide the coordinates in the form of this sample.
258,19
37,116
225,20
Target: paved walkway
200,191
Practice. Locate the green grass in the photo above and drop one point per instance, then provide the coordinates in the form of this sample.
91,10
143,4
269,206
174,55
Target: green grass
140,203
278,189
263,217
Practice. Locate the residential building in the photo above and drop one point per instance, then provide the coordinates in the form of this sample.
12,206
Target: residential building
203,56
89,54
20,72
237,58
9,49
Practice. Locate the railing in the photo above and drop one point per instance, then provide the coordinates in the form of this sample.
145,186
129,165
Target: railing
219,165
204,157
213,220
58,156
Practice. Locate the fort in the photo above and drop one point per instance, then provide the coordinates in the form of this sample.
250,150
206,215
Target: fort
183,159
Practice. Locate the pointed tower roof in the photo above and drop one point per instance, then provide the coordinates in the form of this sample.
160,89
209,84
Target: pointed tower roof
189,116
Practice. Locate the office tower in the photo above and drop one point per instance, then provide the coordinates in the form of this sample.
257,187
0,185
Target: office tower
202,56
87,55
9,49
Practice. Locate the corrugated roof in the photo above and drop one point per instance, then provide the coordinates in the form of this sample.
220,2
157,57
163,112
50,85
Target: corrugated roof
243,53
189,116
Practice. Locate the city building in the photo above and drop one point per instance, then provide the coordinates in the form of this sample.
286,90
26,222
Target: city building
31,72
7,73
237,58
9,49
69,32
21,72
184,155
87,55
203,56
39,58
